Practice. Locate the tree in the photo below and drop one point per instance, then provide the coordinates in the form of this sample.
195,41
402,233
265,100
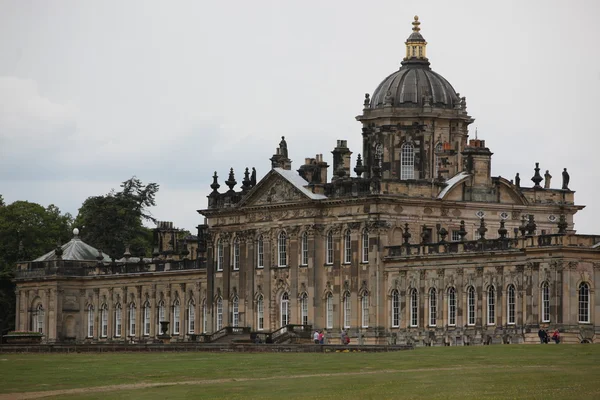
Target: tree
27,231
114,221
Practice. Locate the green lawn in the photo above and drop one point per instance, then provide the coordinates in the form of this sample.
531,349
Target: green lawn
502,371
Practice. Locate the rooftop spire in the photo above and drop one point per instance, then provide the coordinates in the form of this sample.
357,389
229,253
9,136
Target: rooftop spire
416,44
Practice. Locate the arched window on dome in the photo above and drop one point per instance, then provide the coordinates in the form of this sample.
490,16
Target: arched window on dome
407,161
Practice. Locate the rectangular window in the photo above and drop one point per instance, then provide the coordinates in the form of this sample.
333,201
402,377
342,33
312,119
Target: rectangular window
104,321
347,311
304,310
147,320
261,253
118,322
365,247
545,302
132,321
511,305
584,303
347,248
191,319
395,309
329,249
414,308
471,307
176,319
433,308
260,312
365,311
236,255
455,236
304,249
491,307
90,322
220,260
329,322
452,307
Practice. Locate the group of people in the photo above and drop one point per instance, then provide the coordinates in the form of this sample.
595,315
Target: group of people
319,337
545,337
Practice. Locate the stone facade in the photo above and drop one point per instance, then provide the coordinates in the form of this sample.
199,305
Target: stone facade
422,246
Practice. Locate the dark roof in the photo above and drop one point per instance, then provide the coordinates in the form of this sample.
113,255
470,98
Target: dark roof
411,83
75,250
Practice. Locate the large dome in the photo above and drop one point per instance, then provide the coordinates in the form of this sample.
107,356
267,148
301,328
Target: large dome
415,84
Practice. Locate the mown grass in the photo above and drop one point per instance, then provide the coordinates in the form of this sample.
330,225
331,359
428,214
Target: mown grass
485,372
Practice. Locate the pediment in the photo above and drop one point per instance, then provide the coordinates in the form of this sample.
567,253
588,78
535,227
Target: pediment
274,189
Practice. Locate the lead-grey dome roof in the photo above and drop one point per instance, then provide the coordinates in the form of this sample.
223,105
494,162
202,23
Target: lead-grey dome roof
409,85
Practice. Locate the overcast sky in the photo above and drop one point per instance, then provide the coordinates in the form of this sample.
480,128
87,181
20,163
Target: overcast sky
94,92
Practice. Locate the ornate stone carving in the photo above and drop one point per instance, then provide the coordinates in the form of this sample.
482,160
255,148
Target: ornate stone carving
460,271
422,274
354,226
280,191
479,271
573,265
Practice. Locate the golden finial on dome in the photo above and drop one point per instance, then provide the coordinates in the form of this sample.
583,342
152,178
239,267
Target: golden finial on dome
416,44
416,24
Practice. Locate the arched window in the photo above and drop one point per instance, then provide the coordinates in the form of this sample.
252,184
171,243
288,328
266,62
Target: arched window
329,311
282,249
191,316
38,319
304,308
176,317
90,321
364,302
260,313
235,311
491,305
104,320
471,305
347,310
438,160
204,317
414,308
584,303
132,319
407,162
347,247
161,311
285,309
365,246
511,305
304,248
545,302
395,309
118,320
146,322
236,254
329,248
451,306
260,250
219,315
432,307
220,260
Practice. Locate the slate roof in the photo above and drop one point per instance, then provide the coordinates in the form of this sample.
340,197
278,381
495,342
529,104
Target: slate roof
75,250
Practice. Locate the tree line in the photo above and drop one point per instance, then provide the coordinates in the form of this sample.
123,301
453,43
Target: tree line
108,222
